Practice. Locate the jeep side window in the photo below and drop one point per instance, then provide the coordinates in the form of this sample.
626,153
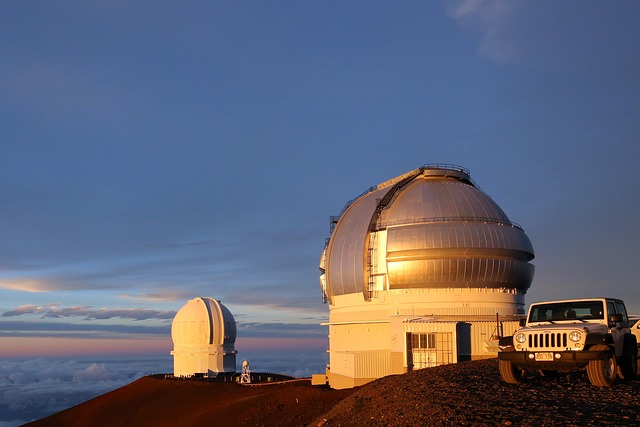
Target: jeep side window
611,309
622,310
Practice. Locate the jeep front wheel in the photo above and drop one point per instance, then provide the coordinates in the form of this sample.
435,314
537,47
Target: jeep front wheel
510,373
603,372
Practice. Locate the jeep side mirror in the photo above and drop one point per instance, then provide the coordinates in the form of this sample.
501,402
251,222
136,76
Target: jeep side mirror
523,322
615,318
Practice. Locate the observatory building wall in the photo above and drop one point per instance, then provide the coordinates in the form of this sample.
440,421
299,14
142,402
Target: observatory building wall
428,247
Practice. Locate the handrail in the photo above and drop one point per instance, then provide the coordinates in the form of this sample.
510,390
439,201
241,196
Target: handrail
350,202
457,168
333,219
446,166
497,221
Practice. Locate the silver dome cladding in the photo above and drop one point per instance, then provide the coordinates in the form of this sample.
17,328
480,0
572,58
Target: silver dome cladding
442,232
346,251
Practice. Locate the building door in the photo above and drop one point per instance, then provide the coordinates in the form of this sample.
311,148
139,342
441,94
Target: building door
428,349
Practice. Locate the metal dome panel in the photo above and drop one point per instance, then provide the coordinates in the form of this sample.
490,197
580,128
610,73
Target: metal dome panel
428,198
346,254
460,273
459,254
461,238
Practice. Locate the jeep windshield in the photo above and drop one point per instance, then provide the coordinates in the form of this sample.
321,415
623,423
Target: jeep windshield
566,310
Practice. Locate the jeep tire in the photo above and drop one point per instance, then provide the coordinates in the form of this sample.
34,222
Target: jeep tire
603,372
510,373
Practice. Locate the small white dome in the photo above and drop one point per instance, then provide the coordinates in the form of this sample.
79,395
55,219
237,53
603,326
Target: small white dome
203,333
203,321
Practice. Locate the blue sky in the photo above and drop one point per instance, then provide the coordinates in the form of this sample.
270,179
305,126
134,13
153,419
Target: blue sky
156,151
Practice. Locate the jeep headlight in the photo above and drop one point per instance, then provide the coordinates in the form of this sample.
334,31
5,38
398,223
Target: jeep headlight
575,336
520,337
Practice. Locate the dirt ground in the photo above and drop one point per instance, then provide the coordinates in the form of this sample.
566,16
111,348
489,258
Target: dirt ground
473,394
469,393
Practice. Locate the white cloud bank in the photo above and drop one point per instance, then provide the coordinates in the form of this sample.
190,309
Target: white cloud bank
34,389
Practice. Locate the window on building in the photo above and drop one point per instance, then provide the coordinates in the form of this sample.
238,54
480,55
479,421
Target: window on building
424,341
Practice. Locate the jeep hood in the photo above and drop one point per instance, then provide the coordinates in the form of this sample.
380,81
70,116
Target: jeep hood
566,326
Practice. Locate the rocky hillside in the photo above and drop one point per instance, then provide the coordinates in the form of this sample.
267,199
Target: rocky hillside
472,394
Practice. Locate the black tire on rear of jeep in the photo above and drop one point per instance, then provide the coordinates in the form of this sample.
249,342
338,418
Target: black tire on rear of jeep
629,361
510,373
603,372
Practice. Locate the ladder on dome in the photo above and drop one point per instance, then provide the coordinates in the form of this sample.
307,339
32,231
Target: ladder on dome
371,265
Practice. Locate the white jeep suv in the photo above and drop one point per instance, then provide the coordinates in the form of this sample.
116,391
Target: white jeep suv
572,334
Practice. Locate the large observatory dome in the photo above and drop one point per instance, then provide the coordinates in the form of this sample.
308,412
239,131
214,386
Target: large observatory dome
439,231
421,270
203,333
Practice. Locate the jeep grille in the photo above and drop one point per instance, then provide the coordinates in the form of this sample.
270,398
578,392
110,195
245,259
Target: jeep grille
548,340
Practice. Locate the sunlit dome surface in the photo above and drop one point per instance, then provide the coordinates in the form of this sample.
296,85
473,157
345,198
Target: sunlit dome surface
203,333
201,322
440,231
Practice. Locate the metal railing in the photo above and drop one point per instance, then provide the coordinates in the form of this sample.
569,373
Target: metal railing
333,219
446,166
442,219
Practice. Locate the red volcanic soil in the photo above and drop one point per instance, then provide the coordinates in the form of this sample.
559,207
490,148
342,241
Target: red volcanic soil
469,393
151,401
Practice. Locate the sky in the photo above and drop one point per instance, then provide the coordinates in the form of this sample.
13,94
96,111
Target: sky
156,151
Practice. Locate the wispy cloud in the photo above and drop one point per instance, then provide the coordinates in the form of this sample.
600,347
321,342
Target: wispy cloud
21,328
22,310
283,295
159,296
493,18
281,330
25,285
90,313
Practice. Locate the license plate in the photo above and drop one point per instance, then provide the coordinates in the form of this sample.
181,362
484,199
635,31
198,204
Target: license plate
544,357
